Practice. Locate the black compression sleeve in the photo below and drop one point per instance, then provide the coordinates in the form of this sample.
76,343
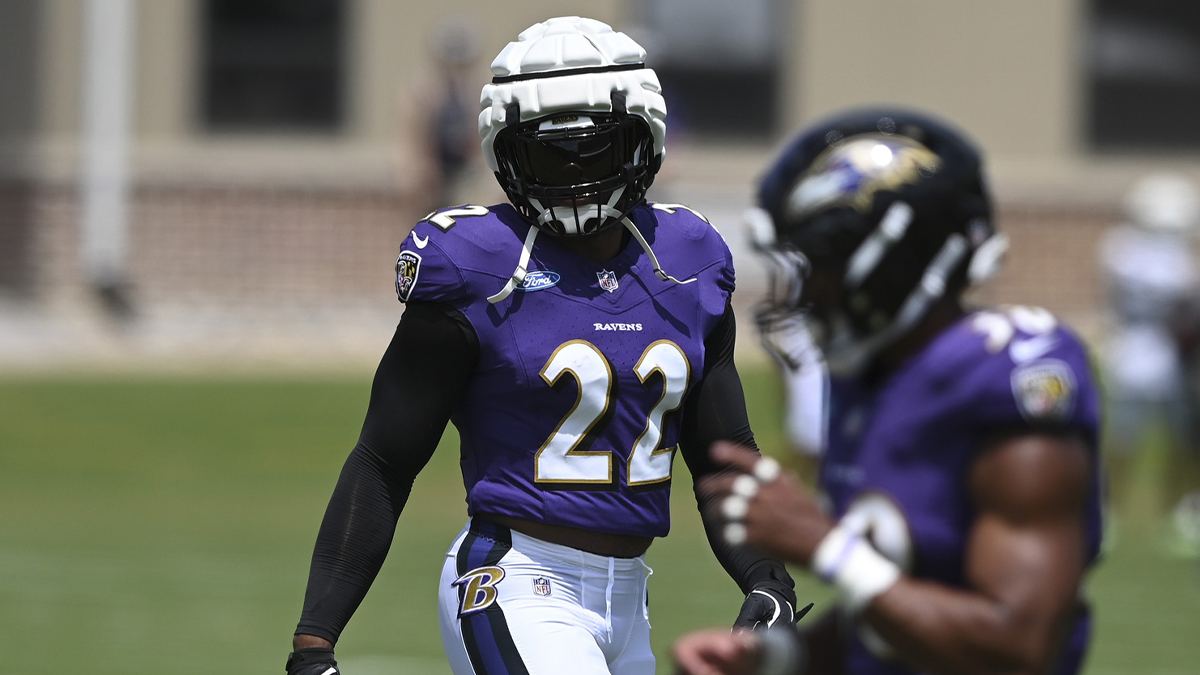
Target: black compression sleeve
717,411
418,385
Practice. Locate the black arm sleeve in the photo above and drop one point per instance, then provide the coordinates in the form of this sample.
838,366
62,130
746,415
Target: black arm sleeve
419,383
717,411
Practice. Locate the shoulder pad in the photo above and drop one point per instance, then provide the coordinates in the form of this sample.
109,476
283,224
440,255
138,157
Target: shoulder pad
454,254
1017,365
687,243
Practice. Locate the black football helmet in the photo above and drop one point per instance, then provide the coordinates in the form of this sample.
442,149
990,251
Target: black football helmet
866,220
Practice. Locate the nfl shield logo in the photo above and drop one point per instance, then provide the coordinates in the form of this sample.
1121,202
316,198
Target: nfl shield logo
541,586
608,280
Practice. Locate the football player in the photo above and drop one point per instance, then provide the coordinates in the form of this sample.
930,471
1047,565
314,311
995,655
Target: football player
961,474
576,337
1151,358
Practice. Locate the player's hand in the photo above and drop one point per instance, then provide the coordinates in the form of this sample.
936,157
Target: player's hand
767,605
717,652
761,505
312,661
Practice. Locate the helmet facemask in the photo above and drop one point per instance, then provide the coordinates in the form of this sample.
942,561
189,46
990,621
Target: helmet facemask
785,265
576,174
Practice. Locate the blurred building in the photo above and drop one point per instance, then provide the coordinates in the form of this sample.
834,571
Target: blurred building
267,163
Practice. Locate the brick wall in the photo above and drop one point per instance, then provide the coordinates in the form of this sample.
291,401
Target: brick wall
231,245
261,246
1052,262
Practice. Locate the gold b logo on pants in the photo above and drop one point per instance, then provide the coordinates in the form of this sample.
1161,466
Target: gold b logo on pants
479,589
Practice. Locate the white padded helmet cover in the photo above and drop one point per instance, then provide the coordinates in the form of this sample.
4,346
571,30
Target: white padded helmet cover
570,43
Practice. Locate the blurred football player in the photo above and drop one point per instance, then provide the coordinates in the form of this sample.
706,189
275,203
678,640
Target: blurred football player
576,337
442,105
1152,350
961,470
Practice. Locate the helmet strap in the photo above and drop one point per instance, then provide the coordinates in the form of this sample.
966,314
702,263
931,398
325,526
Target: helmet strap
518,275
658,270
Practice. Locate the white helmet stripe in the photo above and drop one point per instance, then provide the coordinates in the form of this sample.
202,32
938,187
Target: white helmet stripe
845,354
891,229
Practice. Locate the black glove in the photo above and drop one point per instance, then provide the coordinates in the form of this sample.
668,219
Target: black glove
783,651
768,604
312,661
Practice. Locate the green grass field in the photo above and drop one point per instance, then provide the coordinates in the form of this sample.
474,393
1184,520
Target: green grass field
162,526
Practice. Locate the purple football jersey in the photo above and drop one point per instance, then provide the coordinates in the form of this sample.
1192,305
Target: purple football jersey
573,413
899,451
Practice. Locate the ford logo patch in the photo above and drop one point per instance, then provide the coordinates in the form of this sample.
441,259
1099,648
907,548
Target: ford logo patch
539,280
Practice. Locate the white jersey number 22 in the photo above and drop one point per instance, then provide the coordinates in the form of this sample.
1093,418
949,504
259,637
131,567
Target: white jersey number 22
560,460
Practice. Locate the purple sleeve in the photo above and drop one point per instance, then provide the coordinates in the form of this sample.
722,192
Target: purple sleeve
1042,381
726,278
424,270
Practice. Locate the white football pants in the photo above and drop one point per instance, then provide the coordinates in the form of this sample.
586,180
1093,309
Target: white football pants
515,605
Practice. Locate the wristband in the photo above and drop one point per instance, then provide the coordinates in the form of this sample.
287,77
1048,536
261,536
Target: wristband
849,562
782,653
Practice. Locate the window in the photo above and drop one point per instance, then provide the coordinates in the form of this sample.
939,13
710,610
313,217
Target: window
1144,75
273,65
718,61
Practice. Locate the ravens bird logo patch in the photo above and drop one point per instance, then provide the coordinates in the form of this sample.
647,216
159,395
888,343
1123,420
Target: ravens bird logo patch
408,266
1045,390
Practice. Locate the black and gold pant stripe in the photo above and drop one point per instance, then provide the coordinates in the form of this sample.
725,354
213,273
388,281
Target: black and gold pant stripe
485,632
